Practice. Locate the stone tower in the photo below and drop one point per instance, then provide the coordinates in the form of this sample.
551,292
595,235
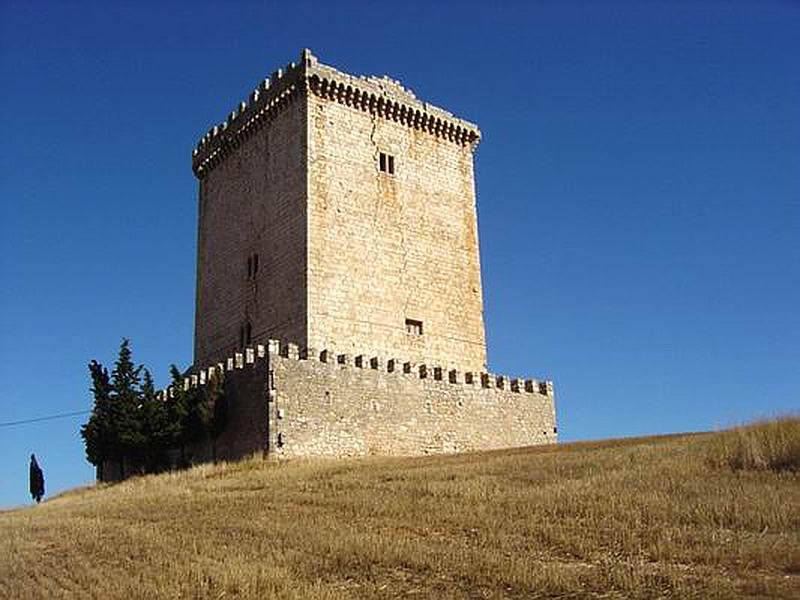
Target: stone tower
339,212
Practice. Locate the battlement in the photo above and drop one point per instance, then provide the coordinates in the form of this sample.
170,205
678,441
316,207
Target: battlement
322,165
381,96
447,375
287,401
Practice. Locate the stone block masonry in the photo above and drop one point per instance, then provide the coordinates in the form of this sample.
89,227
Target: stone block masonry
339,209
337,214
287,402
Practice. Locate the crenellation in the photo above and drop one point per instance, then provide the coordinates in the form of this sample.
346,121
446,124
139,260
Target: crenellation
343,424
292,352
381,96
290,376
381,355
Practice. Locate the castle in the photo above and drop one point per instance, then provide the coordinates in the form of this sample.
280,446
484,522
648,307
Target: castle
338,276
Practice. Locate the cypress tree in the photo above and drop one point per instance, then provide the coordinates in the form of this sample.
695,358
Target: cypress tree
98,432
115,427
181,412
155,425
126,402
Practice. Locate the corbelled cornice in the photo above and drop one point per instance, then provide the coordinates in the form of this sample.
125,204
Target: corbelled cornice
382,96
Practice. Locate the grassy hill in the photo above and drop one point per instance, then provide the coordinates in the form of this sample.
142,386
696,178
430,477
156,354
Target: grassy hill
654,517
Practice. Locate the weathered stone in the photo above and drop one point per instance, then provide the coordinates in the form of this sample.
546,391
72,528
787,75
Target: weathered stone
303,237
338,212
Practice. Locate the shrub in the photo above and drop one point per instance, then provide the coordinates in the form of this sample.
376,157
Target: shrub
764,445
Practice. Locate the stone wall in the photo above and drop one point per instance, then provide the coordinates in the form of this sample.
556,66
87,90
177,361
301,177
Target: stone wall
325,404
347,253
254,202
247,396
386,247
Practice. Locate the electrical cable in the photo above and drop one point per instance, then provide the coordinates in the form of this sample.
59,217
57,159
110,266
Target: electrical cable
47,418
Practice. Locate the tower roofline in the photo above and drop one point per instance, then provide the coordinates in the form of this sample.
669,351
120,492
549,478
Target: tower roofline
381,96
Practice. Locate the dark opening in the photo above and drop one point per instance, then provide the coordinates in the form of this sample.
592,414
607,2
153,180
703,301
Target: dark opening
386,163
413,327
248,334
255,263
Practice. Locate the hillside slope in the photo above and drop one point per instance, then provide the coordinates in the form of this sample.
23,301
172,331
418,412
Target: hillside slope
628,518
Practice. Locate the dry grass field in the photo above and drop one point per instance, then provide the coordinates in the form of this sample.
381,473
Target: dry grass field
643,518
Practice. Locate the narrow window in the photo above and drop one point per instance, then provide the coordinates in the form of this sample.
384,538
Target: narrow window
386,163
413,327
255,264
248,333
241,336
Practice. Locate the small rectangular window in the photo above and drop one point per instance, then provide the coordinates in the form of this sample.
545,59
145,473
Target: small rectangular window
386,163
413,327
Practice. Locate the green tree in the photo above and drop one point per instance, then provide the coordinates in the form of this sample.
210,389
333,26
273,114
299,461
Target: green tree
114,430
203,411
126,403
156,426
182,412
98,432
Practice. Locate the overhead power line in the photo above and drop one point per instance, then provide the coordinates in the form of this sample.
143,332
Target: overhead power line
47,418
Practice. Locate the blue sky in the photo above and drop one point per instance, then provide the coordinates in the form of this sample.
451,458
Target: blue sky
638,193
